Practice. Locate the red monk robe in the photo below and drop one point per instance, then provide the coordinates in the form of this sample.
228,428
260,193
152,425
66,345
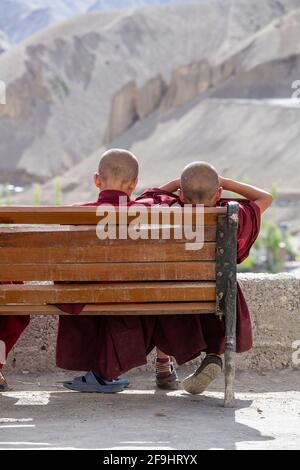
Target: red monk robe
111,346
11,328
106,345
249,226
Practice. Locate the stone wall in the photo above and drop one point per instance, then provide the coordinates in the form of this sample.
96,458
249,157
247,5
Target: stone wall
274,302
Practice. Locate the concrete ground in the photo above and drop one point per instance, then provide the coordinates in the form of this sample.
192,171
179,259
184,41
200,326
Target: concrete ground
40,414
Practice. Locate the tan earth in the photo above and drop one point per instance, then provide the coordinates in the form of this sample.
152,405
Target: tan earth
78,85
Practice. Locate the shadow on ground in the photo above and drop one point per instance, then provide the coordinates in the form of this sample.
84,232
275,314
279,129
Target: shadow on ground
39,413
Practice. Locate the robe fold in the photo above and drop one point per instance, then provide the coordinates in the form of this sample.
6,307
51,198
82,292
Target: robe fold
11,328
113,345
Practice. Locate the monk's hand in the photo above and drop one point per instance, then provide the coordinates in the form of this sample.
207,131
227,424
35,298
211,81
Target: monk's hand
223,182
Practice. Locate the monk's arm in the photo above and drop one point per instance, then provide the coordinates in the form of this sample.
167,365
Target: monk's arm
262,198
172,186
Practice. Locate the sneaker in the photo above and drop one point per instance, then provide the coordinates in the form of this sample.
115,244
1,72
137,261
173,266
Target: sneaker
210,368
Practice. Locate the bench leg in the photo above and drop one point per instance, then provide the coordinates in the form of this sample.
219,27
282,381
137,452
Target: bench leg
226,284
229,377
230,353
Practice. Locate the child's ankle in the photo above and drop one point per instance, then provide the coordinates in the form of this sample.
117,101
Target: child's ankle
163,367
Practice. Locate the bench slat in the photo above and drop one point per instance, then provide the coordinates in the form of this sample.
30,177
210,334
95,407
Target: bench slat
79,215
117,309
119,252
111,272
59,235
135,292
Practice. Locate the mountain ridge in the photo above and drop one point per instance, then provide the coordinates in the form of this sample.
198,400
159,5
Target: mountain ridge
23,18
61,82
87,84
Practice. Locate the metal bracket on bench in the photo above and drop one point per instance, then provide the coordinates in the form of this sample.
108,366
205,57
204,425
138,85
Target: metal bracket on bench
226,257
226,290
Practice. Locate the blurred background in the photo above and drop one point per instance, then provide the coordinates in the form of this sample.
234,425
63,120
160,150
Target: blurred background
173,81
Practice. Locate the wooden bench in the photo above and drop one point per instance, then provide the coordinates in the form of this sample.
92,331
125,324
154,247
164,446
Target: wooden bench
142,277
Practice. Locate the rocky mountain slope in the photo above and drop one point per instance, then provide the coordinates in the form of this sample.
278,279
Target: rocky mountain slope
242,138
82,84
121,4
249,140
22,18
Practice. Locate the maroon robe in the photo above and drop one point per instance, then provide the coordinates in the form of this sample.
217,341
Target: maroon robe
249,226
11,328
106,345
113,345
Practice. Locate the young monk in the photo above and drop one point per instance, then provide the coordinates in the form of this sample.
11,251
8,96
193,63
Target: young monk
11,328
201,184
109,346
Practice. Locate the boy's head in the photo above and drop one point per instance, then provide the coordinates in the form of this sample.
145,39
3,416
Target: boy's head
200,184
118,169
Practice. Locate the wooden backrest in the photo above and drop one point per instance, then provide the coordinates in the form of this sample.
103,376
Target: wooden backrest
75,253
162,275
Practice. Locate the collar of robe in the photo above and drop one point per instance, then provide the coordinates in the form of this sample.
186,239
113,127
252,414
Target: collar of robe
112,196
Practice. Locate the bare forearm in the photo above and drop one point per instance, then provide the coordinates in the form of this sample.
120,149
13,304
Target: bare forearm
172,186
262,198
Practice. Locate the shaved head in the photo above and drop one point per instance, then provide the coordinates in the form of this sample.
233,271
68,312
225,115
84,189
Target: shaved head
118,165
199,182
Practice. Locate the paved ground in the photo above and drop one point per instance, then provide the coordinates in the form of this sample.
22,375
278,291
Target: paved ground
39,413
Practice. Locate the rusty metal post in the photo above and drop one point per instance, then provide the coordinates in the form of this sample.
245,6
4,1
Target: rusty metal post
226,283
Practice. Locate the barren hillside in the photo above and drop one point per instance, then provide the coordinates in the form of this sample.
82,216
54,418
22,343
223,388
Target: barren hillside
230,134
78,85
22,18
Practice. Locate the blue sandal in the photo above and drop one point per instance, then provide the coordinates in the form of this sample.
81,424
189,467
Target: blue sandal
90,384
120,380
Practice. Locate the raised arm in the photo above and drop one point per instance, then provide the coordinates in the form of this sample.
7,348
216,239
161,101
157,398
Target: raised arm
172,186
262,198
